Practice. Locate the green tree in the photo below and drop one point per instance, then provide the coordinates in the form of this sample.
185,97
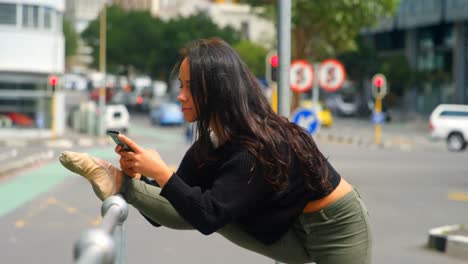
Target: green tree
398,73
253,55
130,39
361,62
179,31
71,38
149,44
324,28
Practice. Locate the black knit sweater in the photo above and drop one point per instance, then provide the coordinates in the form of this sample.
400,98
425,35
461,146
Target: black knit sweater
229,190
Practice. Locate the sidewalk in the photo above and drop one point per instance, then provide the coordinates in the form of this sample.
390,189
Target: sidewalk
25,148
401,135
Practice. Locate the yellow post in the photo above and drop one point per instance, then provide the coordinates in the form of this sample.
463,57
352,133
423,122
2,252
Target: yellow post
52,116
274,97
378,128
102,68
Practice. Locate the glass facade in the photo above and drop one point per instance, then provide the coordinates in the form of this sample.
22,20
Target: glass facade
436,44
28,96
7,14
30,17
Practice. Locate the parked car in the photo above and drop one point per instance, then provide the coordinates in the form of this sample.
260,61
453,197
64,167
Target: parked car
167,113
342,104
95,93
450,122
117,118
20,119
324,114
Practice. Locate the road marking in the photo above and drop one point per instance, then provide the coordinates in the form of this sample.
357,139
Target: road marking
26,186
458,196
20,224
52,201
29,184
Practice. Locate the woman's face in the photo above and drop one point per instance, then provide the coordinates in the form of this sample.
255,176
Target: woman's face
185,96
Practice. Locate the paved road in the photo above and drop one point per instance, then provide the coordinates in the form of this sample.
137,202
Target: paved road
45,208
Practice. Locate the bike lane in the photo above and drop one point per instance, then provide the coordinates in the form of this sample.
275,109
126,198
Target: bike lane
28,185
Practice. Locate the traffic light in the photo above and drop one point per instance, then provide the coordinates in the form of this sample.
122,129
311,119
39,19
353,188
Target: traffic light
379,86
378,81
274,67
53,80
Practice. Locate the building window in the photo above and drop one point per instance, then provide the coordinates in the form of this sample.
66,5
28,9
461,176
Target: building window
58,22
48,18
30,16
7,14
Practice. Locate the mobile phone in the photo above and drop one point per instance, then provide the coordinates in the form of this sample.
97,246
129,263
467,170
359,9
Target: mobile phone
115,136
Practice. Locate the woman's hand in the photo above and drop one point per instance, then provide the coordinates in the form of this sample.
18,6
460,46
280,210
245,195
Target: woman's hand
143,161
129,172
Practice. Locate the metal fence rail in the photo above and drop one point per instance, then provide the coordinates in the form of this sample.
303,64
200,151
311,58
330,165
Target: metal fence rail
96,245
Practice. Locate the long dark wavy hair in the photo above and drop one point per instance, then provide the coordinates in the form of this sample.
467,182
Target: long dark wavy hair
224,89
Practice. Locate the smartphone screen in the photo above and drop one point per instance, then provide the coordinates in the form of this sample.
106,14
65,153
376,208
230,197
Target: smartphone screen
115,136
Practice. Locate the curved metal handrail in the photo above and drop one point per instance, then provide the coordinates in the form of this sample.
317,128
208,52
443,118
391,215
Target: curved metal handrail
96,245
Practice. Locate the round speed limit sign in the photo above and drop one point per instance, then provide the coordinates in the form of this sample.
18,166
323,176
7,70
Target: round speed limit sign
331,75
301,76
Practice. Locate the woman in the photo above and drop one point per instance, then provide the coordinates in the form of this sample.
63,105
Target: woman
251,175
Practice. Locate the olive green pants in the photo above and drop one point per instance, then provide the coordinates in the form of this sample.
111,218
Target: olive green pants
339,233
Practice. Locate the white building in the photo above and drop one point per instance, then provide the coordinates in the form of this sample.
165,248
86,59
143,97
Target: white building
239,16
31,50
82,12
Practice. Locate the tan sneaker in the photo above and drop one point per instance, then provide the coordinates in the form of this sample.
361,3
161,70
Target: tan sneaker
105,178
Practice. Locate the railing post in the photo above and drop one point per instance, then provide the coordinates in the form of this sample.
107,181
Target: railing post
119,232
96,245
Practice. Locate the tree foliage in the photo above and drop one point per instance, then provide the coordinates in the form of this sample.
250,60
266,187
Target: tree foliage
253,55
324,28
71,38
361,62
148,44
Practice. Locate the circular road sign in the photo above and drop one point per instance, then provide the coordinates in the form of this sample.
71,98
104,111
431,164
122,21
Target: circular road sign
331,75
306,119
301,76
379,86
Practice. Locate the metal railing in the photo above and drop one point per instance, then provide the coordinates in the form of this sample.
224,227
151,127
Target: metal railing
97,245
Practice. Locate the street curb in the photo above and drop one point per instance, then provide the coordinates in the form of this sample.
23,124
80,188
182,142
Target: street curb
52,145
367,143
26,161
58,143
452,245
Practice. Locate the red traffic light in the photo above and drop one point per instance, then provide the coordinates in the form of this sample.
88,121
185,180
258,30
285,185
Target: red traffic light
53,80
379,81
274,61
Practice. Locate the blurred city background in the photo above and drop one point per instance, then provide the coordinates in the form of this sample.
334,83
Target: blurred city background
394,117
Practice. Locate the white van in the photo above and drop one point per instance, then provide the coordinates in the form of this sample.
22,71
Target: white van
450,122
117,118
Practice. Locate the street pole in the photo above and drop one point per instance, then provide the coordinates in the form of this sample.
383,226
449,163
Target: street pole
316,90
53,134
284,57
378,127
102,68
